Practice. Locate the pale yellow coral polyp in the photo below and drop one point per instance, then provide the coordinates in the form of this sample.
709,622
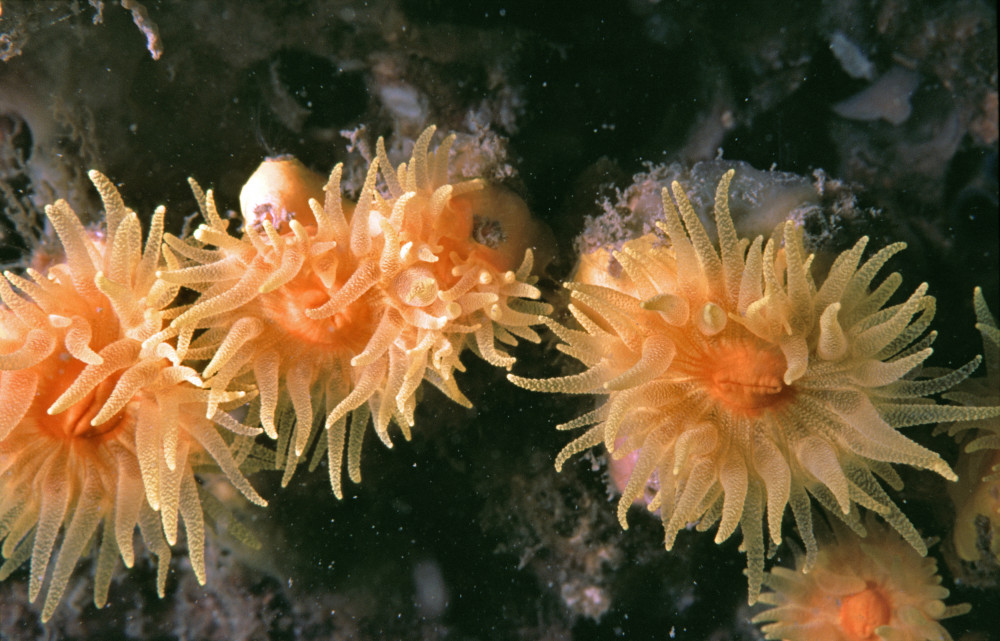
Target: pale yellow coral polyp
977,494
746,386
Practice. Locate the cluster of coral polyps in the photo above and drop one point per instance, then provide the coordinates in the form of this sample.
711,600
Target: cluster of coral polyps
112,396
737,386
353,306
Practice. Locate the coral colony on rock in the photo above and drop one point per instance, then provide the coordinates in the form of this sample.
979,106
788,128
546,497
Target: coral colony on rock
733,347
352,304
737,381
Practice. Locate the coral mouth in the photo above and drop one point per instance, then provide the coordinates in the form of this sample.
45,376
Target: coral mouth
744,376
75,423
286,307
864,612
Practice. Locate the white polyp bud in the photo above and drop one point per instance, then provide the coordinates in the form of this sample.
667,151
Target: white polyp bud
711,319
453,310
485,278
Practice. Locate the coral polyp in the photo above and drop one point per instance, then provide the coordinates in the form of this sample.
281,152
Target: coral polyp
745,385
100,423
353,306
977,494
858,590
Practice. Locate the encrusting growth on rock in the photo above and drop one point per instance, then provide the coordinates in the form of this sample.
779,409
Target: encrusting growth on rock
747,387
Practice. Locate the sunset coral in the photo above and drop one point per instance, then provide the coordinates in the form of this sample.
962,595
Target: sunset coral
977,494
352,307
101,426
747,387
866,589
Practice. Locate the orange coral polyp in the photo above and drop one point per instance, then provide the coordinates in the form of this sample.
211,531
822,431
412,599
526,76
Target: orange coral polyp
100,424
858,589
864,612
744,376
